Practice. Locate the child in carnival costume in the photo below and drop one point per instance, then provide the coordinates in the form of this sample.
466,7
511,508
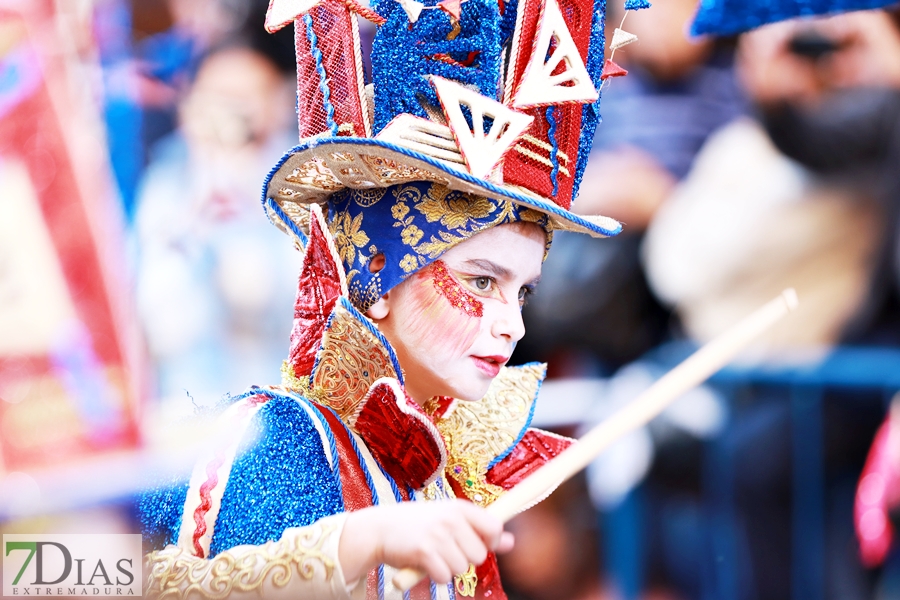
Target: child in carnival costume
424,203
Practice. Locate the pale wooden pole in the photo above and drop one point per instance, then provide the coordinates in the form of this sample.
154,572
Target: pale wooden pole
692,372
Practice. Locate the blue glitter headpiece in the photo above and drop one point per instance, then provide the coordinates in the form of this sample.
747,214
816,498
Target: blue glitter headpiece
485,102
729,17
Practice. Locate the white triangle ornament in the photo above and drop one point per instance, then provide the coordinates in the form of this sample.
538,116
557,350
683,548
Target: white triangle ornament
622,38
481,151
539,87
283,12
412,9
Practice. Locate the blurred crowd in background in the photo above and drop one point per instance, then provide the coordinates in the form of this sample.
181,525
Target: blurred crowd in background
140,281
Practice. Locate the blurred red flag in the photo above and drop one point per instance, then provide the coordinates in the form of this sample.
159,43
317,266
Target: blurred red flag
69,350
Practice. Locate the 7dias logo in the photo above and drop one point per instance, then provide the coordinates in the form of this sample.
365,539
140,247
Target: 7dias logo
72,565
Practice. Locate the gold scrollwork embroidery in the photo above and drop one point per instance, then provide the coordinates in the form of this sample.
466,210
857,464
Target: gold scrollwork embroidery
175,573
350,361
393,172
314,173
466,582
478,432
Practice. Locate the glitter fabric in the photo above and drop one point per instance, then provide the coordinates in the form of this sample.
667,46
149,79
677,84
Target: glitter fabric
531,165
728,17
636,4
508,20
329,73
424,221
554,150
264,496
160,510
590,113
534,450
318,289
401,56
400,436
448,287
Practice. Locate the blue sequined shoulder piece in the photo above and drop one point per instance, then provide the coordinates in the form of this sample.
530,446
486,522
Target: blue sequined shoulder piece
160,512
281,477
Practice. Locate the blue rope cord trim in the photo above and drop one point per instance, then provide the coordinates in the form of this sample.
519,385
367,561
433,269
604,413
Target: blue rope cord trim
323,77
371,483
525,427
397,495
332,445
288,222
554,149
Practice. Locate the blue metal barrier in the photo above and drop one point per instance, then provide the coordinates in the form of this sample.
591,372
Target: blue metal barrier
863,369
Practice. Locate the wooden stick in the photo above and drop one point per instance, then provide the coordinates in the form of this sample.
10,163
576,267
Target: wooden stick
692,372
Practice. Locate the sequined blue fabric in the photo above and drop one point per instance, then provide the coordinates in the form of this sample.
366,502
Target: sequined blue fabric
636,4
728,17
280,479
508,21
411,224
403,54
590,113
160,513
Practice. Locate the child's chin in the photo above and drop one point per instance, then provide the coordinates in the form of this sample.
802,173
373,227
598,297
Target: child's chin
473,393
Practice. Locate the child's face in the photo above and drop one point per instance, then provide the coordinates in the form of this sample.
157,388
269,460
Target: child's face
454,323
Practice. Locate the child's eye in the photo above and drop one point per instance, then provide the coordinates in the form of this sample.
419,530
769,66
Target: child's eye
482,284
524,293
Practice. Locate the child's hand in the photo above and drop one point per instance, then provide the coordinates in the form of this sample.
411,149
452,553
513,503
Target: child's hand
438,538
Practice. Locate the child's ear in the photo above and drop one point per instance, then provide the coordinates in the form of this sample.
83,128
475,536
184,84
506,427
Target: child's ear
380,309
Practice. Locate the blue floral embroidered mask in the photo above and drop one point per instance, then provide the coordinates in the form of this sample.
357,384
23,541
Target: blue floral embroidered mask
411,225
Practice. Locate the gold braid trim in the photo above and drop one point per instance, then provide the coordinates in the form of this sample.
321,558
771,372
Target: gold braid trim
175,573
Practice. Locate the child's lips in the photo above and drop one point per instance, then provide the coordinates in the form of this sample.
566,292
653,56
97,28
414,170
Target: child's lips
490,365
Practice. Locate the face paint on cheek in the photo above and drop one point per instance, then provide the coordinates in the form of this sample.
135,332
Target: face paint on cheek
439,318
447,286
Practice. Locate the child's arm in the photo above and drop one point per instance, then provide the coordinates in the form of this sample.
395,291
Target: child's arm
318,561
302,564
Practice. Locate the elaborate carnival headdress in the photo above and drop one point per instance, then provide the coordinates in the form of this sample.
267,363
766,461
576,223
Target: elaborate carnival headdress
479,112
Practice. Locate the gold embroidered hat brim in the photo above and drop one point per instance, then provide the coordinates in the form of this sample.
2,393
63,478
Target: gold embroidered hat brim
311,172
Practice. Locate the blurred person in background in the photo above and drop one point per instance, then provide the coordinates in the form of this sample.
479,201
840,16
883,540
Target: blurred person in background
150,51
215,288
595,312
803,195
877,506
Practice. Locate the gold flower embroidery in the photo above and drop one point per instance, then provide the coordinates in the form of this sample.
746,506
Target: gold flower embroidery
348,236
399,210
456,211
411,235
409,263
434,247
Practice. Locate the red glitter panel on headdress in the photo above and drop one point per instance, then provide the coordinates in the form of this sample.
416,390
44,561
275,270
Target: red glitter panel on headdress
317,291
529,164
337,52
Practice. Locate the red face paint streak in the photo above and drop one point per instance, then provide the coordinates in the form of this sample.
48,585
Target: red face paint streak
436,320
447,285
